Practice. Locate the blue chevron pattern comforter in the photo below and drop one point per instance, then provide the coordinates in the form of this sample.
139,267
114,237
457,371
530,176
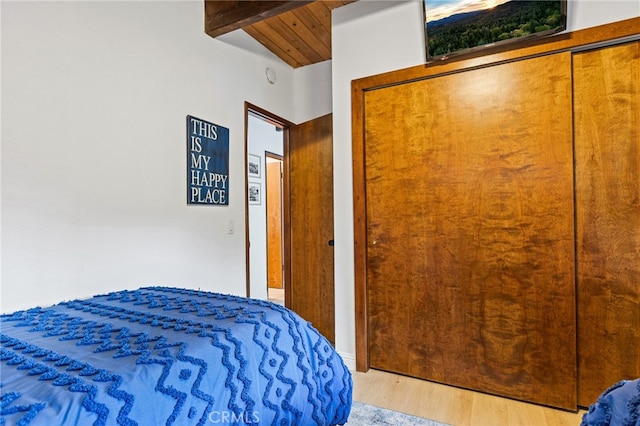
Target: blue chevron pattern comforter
161,355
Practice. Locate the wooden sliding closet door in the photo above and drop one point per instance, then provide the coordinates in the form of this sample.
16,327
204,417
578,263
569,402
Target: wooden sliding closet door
469,195
607,132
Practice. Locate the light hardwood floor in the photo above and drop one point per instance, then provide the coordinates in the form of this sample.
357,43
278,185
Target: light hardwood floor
451,405
276,295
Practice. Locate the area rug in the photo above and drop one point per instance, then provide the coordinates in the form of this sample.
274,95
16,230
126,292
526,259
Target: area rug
369,415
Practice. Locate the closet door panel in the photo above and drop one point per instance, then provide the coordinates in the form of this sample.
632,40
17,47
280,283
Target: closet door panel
470,256
607,140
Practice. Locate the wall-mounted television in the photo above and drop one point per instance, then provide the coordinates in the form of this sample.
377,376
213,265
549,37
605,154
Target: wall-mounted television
453,27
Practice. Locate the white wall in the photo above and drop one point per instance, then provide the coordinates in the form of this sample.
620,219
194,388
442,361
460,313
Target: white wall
591,13
312,91
375,36
94,103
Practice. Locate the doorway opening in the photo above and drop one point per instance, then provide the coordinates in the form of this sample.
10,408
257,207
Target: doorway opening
307,215
265,148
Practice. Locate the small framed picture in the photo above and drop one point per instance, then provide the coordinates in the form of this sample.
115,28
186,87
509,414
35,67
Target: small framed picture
254,165
255,193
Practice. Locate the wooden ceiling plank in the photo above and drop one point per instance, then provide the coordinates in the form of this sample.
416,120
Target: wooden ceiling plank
225,16
307,29
291,37
297,31
322,13
266,35
316,28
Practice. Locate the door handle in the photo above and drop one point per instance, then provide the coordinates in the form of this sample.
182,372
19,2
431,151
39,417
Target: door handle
331,243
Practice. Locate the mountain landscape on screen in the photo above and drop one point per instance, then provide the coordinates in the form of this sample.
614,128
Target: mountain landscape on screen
454,26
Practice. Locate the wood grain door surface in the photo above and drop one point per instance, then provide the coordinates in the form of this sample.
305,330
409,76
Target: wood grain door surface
607,139
310,167
470,236
274,222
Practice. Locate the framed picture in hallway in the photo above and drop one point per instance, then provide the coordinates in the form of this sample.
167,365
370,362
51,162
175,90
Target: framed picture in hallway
255,193
254,165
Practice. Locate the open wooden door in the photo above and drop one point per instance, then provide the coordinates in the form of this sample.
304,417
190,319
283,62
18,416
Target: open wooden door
274,221
309,162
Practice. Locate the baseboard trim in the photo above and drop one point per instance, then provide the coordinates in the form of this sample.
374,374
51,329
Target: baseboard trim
349,360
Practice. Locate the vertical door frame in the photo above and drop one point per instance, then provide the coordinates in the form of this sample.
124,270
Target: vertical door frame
286,215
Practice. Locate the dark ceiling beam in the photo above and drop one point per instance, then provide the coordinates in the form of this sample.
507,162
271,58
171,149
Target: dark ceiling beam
221,17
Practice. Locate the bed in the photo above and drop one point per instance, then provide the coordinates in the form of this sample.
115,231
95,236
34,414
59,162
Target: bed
161,355
617,406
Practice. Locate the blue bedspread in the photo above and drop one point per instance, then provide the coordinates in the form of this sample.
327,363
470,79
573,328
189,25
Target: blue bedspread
162,355
617,406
